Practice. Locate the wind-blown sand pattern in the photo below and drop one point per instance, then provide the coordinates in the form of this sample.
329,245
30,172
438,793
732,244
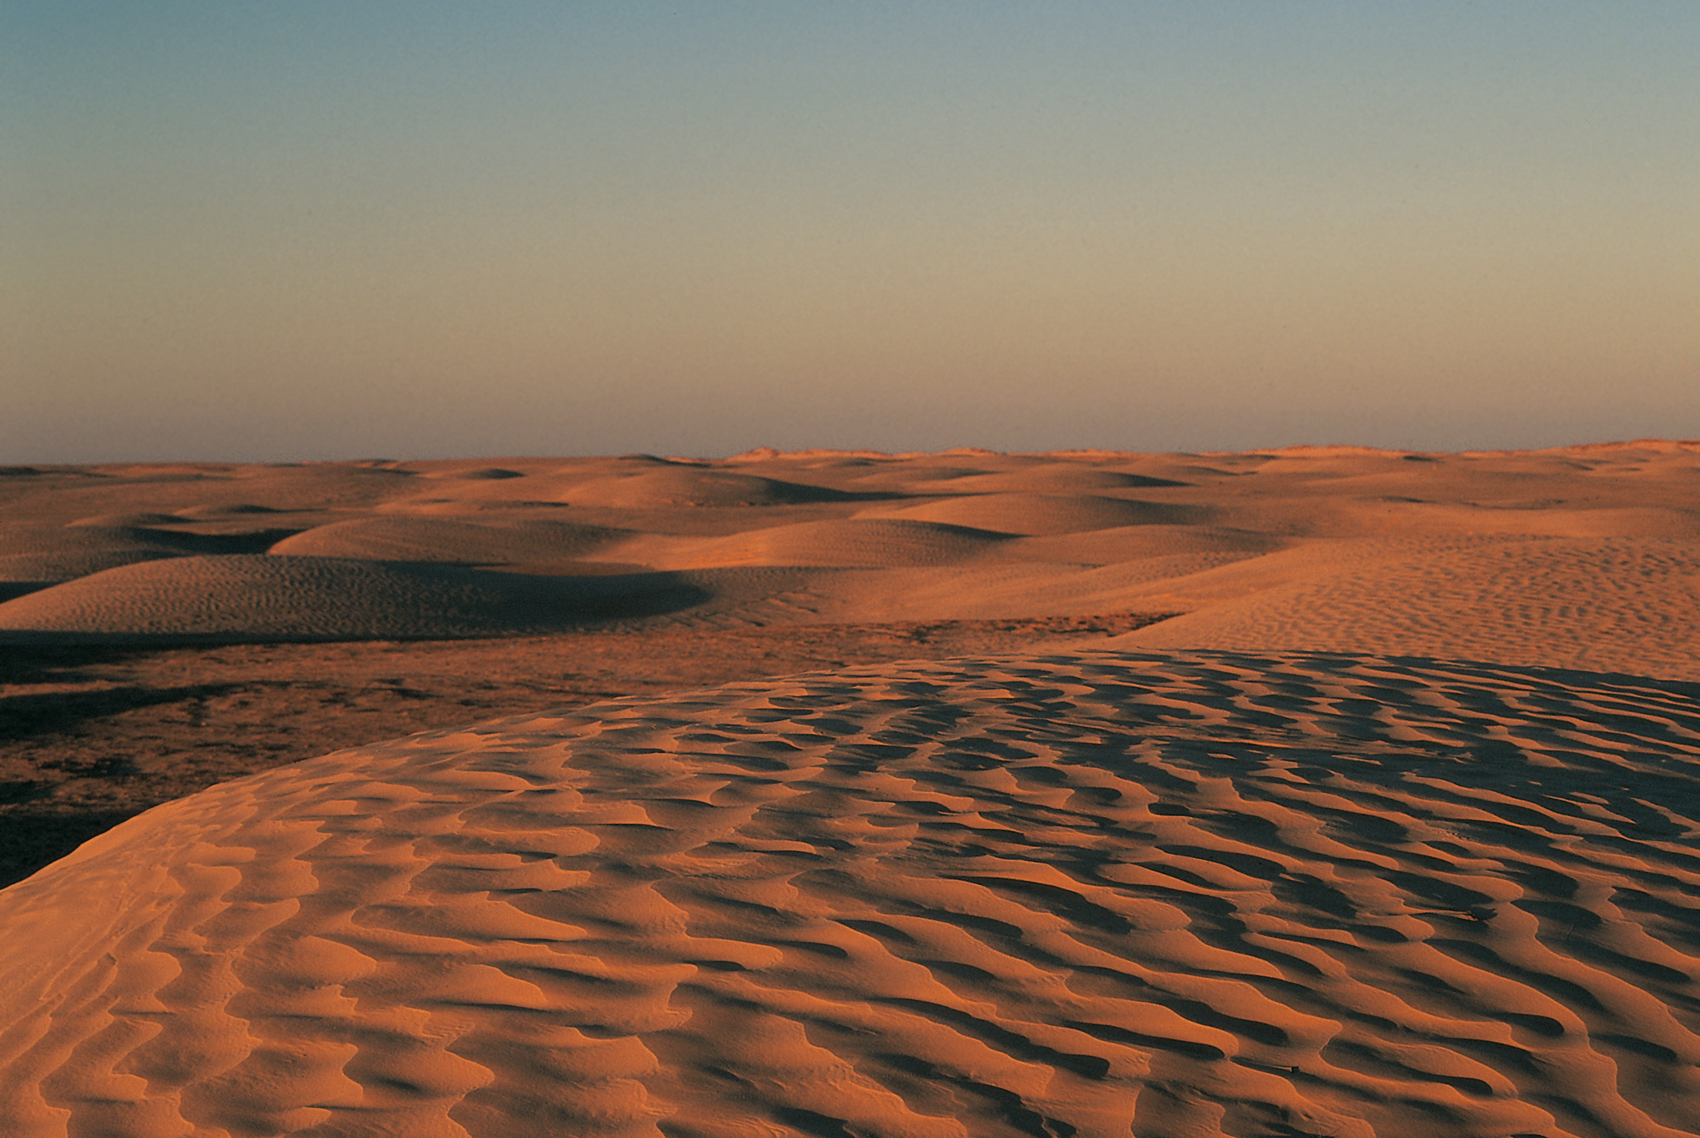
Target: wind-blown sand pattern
1091,894
1595,603
1389,829
437,539
268,596
1586,557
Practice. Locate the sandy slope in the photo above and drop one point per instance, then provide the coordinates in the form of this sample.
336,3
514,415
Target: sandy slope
1336,851
271,596
438,539
1607,604
1178,895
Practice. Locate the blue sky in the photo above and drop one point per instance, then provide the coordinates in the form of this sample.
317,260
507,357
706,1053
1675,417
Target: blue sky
312,230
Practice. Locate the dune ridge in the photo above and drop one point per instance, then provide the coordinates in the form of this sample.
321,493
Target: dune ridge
54,554
431,539
1039,514
272,596
865,543
1172,894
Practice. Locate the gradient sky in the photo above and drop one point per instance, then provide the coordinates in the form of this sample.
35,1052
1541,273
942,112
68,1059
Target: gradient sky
246,230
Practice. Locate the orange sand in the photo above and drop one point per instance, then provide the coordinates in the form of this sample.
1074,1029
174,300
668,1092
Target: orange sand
1390,834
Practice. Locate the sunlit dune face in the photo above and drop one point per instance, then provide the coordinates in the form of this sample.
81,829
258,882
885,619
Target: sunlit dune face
1110,892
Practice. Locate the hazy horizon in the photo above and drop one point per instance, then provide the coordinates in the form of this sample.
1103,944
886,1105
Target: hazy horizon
249,232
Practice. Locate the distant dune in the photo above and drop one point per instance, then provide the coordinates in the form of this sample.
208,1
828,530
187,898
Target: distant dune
1607,604
431,539
287,597
1389,831
1587,557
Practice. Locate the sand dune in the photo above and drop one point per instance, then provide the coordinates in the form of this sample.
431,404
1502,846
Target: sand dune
1048,513
42,554
852,543
53,553
1000,585
1316,533
437,539
222,510
474,473
693,486
1141,543
1053,478
1599,604
1094,894
118,521
1387,831
268,597
904,543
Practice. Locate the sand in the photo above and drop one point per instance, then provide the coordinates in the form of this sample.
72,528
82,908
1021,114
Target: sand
1587,557
1387,829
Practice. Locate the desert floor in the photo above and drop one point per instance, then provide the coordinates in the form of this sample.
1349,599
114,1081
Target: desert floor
1317,791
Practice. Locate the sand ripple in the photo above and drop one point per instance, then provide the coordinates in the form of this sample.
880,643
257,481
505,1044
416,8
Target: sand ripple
438,540
59,553
1604,604
1200,894
257,597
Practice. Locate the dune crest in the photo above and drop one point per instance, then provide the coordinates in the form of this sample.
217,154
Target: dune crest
1037,514
431,539
271,596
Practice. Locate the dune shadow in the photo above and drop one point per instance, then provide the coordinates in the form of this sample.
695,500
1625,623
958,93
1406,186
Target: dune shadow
34,837
47,663
388,600
570,601
801,493
248,541
36,713
11,590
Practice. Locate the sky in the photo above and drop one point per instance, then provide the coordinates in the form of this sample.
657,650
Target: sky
255,231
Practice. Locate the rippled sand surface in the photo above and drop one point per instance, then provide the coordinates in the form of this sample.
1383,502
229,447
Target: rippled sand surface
1077,894
1391,831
